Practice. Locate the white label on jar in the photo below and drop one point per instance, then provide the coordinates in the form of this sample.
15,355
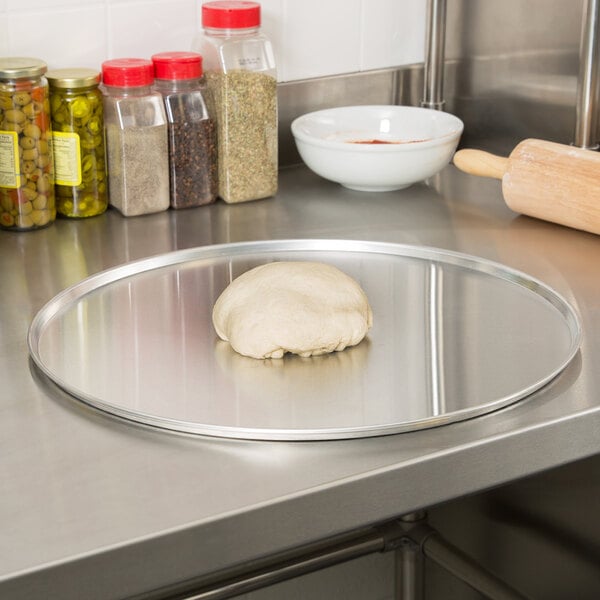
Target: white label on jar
67,158
10,175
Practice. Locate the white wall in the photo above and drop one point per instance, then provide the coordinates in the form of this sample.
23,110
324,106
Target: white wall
312,38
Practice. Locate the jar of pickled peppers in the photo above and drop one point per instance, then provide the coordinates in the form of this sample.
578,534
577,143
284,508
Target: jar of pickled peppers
78,142
26,164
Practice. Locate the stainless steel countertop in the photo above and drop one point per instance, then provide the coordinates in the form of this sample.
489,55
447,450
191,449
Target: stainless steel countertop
95,507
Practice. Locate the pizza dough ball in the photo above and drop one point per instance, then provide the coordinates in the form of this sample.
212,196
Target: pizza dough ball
305,308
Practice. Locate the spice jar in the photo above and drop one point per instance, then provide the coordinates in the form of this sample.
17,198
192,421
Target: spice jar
240,72
78,142
26,173
192,132
136,138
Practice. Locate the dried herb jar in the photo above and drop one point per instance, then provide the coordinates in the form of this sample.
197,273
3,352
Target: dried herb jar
78,142
192,131
137,148
240,71
26,173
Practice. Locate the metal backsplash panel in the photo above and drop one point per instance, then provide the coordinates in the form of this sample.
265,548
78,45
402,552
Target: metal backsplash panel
511,73
501,100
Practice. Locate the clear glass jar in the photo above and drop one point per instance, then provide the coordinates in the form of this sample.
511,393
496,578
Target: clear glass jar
26,177
240,71
137,148
78,142
192,130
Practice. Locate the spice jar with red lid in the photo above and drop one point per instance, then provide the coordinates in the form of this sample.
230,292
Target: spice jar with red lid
240,70
137,149
192,133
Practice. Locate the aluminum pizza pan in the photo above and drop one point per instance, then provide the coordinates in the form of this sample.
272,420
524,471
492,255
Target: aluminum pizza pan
454,336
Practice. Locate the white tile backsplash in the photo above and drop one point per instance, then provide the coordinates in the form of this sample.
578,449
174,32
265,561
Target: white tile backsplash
322,38
20,6
311,38
65,37
142,29
4,47
392,33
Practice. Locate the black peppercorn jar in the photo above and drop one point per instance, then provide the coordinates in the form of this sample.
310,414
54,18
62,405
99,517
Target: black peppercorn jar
192,132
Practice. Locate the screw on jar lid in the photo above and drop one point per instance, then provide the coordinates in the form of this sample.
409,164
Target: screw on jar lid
20,67
177,65
229,14
128,72
72,78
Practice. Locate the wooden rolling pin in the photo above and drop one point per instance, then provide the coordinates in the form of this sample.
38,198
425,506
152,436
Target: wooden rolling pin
546,180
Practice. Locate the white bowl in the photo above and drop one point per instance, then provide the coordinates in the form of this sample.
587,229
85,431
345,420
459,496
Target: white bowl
377,148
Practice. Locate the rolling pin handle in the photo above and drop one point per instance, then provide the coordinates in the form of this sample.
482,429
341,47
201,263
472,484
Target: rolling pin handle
479,162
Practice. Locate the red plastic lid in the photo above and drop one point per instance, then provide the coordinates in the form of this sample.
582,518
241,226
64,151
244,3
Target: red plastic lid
177,65
128,72
229,14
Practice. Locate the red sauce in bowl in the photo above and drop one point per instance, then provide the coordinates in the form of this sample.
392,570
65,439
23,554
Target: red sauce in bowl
376,141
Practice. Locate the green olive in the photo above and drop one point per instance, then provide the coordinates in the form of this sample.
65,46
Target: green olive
32,109
22,98
40,202
31,154
24,221
40,217
32,130
11,126
27,143
44,184
7,220
29,193
42,146
15,116
43,160
25,208
28,166
6,203
6,102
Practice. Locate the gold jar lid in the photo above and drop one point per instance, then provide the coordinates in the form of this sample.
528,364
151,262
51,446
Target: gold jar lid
20,67
73,78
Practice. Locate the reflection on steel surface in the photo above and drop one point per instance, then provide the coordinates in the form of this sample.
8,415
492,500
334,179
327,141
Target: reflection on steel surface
435,337
454,337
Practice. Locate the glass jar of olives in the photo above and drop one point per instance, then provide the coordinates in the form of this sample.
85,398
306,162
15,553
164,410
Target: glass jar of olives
78,142
26,164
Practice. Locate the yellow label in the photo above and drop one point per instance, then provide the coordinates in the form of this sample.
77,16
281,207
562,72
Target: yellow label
67,158
10,170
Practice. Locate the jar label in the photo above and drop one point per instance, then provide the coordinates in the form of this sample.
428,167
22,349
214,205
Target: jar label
67,158
10,176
